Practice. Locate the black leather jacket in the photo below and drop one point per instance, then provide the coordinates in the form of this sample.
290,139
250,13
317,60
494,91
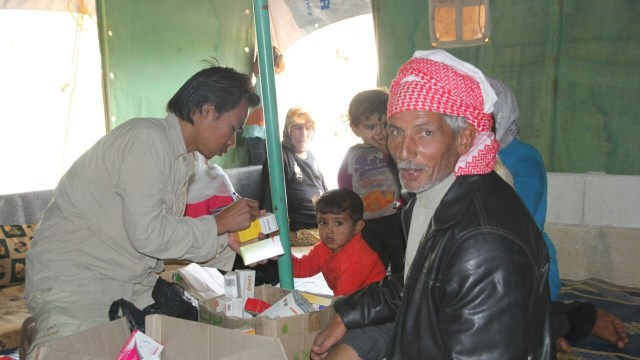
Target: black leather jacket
477,288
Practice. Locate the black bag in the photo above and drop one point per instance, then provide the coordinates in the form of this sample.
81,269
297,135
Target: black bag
169,300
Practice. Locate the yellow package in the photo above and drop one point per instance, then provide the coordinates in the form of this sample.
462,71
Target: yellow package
265,224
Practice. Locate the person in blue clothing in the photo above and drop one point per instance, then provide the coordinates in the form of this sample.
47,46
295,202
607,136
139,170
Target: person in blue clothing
572,321
527,169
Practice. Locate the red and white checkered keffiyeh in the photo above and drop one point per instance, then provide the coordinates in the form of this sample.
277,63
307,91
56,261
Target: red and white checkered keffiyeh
447,85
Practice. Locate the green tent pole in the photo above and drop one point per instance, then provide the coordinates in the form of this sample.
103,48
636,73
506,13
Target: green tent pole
274,151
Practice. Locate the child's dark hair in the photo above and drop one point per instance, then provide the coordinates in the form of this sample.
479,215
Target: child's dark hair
340,201
367,103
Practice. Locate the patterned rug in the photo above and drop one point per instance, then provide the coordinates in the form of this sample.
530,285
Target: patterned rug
622,301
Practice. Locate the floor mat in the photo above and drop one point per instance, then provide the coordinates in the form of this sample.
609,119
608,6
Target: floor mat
622,301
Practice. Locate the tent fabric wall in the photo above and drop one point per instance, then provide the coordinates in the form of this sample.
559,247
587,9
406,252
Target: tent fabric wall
573,65
599,76
151,47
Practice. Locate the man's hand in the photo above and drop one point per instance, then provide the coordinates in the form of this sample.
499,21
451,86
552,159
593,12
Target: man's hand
328,337
234,242
237,216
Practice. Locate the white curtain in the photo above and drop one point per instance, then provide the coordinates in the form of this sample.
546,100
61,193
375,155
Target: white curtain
50,89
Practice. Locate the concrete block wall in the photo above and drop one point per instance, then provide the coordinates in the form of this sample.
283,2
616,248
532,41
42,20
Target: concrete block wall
594,221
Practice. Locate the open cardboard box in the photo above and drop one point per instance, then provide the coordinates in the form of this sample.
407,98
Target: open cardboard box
182,339
100,342
296,333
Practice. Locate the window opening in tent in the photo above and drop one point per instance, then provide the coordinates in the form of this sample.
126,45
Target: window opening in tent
324,70
458,23
51,84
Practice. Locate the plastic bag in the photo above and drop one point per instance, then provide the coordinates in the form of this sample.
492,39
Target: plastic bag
169,298
124,308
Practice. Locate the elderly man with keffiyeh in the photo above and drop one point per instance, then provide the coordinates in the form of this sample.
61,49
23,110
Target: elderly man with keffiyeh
475,282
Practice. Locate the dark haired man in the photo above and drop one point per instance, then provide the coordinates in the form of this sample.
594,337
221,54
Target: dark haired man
118,211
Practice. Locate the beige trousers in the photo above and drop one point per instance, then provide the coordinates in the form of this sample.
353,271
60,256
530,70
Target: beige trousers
59,313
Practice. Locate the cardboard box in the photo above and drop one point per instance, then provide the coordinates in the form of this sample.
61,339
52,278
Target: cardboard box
184,339
100,342
292,304
229,306
296,333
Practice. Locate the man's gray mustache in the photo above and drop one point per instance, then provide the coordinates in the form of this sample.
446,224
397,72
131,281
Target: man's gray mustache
409,165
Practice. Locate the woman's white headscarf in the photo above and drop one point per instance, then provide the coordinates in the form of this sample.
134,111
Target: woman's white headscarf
506,113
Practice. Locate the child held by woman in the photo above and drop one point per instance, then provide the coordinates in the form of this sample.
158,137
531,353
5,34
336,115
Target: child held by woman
369,170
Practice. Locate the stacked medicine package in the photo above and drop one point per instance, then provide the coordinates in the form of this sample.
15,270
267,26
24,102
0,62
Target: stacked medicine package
254,249
232,294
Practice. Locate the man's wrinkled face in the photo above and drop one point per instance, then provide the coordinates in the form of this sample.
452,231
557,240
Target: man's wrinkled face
425,148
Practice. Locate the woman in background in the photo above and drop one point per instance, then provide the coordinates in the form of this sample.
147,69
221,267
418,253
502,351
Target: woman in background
303,180
571,321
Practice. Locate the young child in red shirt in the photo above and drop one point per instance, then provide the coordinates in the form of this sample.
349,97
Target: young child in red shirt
344,258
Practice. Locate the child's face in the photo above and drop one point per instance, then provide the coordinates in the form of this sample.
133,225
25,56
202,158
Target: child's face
336,230
373,131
